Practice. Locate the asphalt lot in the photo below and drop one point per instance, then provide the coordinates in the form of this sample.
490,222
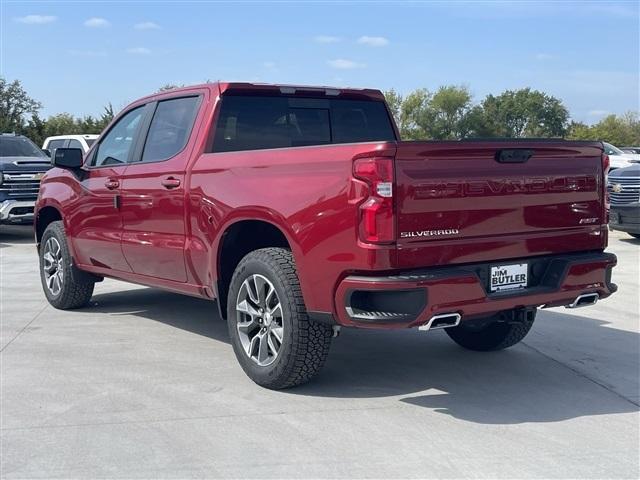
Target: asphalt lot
144,384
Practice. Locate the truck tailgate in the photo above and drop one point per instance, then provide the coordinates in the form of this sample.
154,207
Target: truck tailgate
474,201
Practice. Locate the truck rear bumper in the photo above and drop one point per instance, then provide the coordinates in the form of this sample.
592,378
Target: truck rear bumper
413,298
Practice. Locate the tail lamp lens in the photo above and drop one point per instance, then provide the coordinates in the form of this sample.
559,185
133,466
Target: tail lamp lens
606,164
376,223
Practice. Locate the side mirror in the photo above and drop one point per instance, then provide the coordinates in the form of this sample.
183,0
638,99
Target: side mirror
70,158
47,152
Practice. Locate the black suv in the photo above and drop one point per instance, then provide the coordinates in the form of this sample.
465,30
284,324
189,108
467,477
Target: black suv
22,165
623,185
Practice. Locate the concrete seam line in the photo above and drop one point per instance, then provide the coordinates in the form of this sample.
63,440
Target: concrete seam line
182,419
24,328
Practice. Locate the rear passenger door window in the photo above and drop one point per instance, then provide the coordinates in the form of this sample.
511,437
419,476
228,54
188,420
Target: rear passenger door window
170,128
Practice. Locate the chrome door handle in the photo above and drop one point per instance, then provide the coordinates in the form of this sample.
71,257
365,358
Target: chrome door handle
112,184
170,182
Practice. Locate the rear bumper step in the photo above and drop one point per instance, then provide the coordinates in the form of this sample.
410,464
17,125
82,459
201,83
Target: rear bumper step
432,298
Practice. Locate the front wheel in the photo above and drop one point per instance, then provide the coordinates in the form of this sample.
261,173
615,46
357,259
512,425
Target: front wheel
64,285
274,340
495,333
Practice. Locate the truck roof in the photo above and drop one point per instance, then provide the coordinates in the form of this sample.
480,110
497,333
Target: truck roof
223,87
86,136
284,89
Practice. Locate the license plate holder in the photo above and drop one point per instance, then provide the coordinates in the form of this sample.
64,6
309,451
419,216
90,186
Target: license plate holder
508,277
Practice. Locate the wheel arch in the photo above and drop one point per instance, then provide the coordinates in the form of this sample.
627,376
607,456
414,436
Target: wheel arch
44,217
238,239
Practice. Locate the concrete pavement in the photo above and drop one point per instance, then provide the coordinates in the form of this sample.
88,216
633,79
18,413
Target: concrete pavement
144,384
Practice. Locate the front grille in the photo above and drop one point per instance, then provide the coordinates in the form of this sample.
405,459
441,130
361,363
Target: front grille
623,190
21,184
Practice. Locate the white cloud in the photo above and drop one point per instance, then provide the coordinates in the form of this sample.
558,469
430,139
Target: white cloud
36,19
269,65
138,51
326,39
373,41
543,56
97,22
598,113
342,64
146,26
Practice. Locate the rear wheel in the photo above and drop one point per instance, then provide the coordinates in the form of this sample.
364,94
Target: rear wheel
494,333
274,340
64,285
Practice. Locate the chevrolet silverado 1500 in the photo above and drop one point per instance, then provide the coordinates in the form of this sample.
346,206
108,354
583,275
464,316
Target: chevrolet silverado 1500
300,211
22,165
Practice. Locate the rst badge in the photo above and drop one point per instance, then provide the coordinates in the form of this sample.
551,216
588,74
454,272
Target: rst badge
508,277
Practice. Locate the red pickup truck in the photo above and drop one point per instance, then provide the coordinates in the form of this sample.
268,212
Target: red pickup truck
300,211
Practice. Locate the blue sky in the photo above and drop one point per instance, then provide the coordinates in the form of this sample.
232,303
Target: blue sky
78,56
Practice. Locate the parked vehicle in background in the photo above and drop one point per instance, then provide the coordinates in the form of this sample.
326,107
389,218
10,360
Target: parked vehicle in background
632,150
618,158
623,186
83,142
22,165
301,211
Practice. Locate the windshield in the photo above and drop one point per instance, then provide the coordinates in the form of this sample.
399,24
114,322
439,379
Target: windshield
611,150
19,147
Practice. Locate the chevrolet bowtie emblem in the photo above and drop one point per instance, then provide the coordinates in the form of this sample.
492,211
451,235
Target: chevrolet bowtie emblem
617,188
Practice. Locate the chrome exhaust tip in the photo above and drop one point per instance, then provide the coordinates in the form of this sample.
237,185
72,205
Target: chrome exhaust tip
584,300
442,320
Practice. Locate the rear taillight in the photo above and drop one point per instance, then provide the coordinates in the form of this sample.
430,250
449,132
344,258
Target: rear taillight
376,222
606,163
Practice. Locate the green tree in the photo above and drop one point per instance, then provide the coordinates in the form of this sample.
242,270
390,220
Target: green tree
394,101
622,130
105,118
15,106
36,129
447,111
524,113
580,131
446,114
415,118
62,124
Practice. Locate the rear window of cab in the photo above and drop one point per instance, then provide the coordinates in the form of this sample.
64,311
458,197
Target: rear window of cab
261,122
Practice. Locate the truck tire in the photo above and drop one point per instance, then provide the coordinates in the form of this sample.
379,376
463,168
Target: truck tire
65,286
274,340
495,335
